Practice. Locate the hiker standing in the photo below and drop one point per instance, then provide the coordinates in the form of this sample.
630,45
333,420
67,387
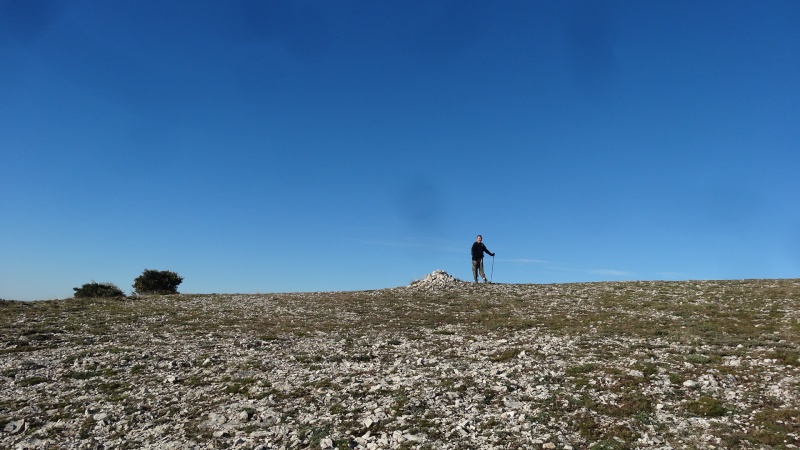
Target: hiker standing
478,249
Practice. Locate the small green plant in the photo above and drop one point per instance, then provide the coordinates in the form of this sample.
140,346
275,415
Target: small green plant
675,378
696,358
505,355
98,290
777,427
788,357
163,282
32,381
580,370
706,407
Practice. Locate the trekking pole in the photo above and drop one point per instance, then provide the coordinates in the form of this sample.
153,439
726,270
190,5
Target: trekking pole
491,277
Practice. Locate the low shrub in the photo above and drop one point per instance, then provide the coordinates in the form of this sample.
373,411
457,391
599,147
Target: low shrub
98,290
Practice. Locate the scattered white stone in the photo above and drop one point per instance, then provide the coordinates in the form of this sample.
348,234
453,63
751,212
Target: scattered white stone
443,380
14,427
414,437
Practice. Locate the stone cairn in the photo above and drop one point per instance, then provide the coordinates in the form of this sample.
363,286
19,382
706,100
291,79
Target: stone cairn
437,280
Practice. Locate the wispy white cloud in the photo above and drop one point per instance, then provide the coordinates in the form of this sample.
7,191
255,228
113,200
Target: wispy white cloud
603,272
555,266
415,244
673,275
610,272
524,261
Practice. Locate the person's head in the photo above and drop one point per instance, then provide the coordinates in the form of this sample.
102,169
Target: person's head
479,238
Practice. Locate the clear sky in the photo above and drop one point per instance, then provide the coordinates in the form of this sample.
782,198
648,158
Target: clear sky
255,146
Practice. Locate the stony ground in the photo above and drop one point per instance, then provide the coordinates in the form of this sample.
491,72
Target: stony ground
439,364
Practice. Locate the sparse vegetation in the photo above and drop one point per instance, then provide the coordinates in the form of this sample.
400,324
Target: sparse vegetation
706,407
98,290
587,365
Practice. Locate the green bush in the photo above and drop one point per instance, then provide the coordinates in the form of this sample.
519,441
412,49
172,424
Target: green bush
161,282
98,290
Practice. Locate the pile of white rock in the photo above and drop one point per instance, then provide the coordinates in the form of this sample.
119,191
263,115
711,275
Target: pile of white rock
436,281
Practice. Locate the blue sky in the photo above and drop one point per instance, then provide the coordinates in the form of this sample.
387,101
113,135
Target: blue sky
320,145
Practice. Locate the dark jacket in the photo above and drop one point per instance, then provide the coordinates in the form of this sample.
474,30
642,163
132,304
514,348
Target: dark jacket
477,251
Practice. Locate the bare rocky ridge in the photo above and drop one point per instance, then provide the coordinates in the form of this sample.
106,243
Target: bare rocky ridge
440,363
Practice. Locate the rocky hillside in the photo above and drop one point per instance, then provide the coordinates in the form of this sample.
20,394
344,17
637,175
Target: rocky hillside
439,364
